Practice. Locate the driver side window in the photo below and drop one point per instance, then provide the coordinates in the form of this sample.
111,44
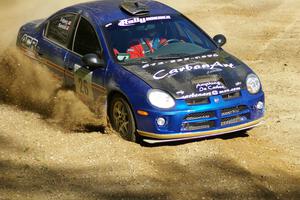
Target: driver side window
86,40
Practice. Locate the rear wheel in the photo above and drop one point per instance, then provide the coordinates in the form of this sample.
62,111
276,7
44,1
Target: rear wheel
122,119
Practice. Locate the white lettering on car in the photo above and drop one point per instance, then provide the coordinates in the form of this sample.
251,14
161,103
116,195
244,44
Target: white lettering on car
29,42
181,92
64,24
141,20
209,86
181,60
161,74
210,93
157,77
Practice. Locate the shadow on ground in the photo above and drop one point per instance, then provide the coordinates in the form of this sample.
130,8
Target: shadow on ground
228,136
213,178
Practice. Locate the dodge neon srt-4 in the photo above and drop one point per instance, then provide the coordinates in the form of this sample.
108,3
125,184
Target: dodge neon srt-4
161,76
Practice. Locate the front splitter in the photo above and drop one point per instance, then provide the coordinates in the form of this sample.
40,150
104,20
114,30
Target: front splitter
159,138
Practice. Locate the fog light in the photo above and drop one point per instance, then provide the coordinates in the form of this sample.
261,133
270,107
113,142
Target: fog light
260,105
161,121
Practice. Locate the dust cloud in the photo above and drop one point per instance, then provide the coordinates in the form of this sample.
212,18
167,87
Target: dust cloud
30,86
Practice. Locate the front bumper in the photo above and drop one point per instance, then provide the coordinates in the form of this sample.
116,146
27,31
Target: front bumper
189,136
217,117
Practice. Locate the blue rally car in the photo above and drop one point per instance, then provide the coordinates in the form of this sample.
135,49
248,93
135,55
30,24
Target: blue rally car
161,76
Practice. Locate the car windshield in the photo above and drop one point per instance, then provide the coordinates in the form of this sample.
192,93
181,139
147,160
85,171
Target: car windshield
156,38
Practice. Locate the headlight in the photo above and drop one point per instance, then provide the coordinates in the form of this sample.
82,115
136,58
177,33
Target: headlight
160,99
253,84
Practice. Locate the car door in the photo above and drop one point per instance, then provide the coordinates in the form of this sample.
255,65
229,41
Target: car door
88,84
55,42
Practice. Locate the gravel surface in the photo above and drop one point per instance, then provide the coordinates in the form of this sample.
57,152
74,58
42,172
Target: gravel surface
40,158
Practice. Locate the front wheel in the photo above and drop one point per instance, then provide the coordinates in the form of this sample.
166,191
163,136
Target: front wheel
121,118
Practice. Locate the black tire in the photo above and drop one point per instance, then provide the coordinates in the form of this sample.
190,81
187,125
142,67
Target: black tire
122,119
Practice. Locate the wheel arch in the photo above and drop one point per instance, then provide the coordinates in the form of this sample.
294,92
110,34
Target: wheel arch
110,97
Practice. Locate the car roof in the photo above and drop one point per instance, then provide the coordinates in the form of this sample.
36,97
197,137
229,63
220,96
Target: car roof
107,11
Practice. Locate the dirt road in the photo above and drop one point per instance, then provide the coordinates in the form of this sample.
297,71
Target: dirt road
41,160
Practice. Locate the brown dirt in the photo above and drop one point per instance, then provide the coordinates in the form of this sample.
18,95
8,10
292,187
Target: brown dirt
30,86
41,160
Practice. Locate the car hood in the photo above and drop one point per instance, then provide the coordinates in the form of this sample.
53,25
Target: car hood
215,73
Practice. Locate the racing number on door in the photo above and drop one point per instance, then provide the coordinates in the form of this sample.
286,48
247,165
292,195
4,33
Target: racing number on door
83,81
83,85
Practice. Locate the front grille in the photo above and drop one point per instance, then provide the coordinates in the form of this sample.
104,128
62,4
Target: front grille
203,121
233,110
198,125
197,101
234,120
231,96
199,115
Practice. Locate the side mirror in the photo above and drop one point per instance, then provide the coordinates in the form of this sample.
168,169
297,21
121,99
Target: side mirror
220,40
92,61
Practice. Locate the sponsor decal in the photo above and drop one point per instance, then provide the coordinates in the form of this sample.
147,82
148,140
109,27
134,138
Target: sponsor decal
83,81
29,42
210,86
213,71
211,93
233,120
163,73
141,20
181,92
123,56
180,60
238,83
207,89
64,24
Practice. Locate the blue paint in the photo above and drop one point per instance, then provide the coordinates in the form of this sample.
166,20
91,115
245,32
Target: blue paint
114,77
